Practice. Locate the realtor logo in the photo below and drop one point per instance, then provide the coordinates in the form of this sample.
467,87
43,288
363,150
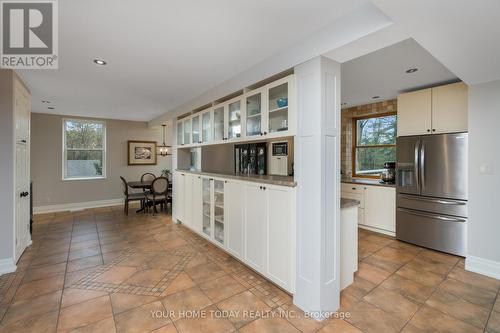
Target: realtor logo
29,34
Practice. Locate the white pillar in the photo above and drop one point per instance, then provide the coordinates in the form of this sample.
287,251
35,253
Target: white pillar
317,161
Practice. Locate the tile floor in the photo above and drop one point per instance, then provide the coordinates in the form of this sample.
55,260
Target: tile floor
99,271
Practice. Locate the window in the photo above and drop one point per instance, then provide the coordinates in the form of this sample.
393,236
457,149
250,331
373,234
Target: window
374,143
84,149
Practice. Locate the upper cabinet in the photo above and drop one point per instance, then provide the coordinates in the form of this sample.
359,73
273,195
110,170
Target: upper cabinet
264,113
435,110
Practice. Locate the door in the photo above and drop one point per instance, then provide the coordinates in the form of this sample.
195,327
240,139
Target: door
254,115
280,234
22,168
187,131
256,226
207,206
179,201
188,203
278,114
195,122
206,126
197,216
380,208
415,113
219,216
407,156
218,134
234,211
449,108
444,162
180,133
234,120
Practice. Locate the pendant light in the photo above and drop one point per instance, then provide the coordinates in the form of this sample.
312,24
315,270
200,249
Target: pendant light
163,149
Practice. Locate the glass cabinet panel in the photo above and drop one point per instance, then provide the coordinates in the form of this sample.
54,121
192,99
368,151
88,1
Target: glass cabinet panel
207,207
219,211
254,112
187,131
219,123
179,133
278,108
196,128
234,121
206,131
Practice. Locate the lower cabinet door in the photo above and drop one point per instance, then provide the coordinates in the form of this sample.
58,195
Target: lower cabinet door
280,236
380,208
256,227
234,217
188,203
197,205
179,198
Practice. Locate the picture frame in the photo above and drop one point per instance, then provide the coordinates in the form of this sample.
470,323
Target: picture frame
141,152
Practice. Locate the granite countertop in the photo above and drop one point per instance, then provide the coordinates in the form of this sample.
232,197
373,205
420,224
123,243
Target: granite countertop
266,179
346,203
365,181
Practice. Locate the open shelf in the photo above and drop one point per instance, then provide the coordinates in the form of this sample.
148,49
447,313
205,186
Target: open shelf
279,109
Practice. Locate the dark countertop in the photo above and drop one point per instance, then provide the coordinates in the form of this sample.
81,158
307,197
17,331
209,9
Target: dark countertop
266,179
363,181
346,203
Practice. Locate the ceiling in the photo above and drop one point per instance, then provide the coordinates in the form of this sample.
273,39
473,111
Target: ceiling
383,73
161,54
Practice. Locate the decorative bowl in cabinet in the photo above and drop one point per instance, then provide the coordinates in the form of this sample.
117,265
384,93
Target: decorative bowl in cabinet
282,102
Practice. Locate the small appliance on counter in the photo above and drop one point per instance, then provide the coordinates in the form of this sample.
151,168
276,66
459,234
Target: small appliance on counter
388,175
250,158
279,159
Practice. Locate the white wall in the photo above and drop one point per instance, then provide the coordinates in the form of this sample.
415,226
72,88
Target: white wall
484,153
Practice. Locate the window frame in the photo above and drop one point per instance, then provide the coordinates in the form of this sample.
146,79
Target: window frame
65,150
355,145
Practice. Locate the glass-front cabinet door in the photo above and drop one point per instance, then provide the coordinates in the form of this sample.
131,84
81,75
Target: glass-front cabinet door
278,115
195,122
207,206
180,133
219,123
219,211
234,120
187,131
206,126
254,115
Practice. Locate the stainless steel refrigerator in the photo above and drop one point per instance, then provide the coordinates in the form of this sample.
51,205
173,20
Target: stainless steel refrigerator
432,191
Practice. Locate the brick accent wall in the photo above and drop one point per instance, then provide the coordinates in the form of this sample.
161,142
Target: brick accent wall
347,127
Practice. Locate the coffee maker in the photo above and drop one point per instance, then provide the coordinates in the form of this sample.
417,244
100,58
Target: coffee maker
388,175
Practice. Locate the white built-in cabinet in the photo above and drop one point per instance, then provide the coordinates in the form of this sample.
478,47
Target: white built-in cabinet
252,221
436,110
377,208
262,113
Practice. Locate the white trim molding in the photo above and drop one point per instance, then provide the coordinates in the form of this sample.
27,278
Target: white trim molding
483,266
77,206
7,266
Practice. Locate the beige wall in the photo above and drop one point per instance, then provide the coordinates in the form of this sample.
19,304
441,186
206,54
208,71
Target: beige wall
46,161
347,127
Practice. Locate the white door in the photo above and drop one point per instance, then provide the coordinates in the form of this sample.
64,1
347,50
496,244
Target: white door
196,218
188,203
179,196
256,226
415,113
449,108
380,208
234,216
22,168
280,236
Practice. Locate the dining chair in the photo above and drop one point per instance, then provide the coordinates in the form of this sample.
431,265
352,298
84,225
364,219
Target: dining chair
159,194
148,177
131,196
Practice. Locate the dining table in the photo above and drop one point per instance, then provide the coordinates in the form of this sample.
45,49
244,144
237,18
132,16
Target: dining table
145,185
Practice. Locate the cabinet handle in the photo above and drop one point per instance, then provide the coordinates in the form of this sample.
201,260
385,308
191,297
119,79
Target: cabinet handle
225,182
260,187
23,194
263,187
23,141
434,130
428,130
260,133
353,188
265,133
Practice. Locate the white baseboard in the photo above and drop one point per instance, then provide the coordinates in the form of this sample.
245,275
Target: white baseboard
77,206
380,231
7,266
483,266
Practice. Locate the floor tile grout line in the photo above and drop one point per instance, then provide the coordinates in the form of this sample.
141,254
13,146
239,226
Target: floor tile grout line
492,309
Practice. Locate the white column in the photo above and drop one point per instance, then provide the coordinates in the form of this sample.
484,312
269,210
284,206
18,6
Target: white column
317,161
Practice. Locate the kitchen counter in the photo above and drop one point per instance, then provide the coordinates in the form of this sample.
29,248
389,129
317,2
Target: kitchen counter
266,179
364,181
346,203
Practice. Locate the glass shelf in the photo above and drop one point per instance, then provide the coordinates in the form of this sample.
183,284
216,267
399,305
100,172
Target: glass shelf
278,108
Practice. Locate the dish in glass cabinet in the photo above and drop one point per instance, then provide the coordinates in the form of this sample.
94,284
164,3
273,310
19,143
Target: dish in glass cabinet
282,102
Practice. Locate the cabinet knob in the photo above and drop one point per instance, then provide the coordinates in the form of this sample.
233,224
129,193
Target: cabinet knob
265,133
260,133
428,130
353,188
434,130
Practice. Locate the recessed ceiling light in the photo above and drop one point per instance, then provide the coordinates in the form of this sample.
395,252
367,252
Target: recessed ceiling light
100,62
375,97
50,108
411,70
46,102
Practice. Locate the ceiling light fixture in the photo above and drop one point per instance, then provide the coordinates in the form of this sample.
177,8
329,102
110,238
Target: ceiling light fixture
411,70
375,97
163,149
100,62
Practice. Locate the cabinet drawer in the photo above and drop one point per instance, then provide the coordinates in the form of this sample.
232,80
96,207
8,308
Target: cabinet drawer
346,187
356,196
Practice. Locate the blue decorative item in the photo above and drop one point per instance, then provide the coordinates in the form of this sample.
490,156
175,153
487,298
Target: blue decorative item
282,102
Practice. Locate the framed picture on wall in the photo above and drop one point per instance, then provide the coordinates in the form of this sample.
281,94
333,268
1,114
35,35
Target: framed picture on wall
141,152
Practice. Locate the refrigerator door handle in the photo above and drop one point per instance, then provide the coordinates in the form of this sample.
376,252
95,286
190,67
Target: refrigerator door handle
422,166
416,165
433,216
439,201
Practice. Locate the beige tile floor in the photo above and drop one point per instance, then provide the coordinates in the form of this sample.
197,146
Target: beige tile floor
99,271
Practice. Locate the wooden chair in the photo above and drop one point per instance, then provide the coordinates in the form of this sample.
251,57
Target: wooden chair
131,196
159,193
148,177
